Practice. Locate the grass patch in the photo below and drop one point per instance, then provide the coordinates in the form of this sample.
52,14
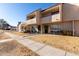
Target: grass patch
67,43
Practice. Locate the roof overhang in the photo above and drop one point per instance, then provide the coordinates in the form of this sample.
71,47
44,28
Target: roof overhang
33,13
53,9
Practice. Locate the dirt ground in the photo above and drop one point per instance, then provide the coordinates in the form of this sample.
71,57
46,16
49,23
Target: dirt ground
18,33
3,35
22,34
13,48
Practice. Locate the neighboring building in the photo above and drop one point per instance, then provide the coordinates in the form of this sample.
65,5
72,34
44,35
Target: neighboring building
13,28
18,26
61,17
4,24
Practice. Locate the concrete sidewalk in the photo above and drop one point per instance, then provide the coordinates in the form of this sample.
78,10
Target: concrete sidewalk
40,48
6,40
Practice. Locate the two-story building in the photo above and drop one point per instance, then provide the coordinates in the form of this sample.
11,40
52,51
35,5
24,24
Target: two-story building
60,17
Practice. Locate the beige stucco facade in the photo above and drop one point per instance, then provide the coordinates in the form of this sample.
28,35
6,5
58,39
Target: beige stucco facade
63,16
70,12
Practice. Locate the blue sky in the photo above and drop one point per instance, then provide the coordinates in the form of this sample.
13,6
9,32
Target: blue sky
15,12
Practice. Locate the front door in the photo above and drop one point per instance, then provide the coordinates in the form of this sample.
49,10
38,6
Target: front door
46,28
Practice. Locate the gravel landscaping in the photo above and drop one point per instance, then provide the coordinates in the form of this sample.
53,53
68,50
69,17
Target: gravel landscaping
13,48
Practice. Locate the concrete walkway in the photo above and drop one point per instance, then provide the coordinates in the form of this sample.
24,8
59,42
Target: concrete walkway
5,40
40,48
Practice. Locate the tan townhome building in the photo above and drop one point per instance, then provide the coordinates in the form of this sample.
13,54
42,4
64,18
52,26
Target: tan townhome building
62,18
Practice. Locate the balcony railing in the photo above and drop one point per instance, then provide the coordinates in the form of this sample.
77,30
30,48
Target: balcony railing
31,21
52,18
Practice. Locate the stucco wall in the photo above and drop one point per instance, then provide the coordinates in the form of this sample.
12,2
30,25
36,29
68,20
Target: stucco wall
70,11
77,28
38,15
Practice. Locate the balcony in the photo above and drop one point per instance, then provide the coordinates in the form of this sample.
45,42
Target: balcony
52,18
31,21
